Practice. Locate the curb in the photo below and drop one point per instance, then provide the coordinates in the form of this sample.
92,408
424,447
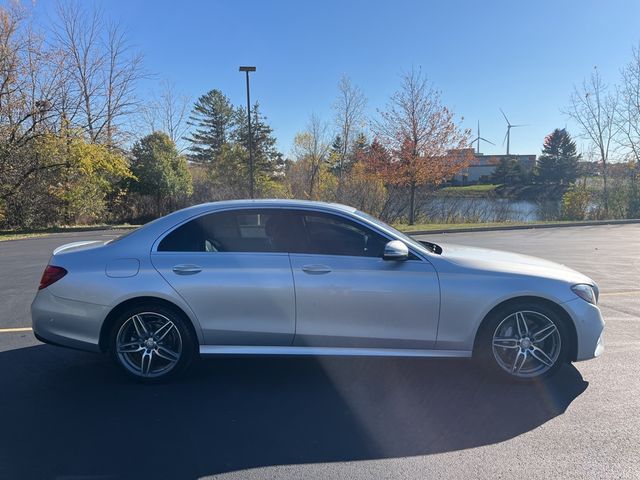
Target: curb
497,228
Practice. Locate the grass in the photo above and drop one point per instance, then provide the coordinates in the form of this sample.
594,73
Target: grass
22,234
403,227
469,190
457,226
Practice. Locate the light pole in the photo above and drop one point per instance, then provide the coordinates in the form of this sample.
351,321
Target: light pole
246,70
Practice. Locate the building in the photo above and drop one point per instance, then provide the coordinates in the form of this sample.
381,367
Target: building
482,167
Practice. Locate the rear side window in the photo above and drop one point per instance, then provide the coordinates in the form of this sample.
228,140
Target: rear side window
274,230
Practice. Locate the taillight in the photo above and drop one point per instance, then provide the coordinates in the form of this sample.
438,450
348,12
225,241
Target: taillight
51,275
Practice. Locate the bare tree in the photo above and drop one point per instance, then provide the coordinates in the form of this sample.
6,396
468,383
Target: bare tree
349,110
29,85
594,108
311,150
629,108
168,111
78,37
124,69
422,136
103,71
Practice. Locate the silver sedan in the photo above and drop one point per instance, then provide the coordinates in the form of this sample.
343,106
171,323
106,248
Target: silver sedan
289,277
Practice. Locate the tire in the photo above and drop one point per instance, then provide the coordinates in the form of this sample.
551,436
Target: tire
523,342
152,343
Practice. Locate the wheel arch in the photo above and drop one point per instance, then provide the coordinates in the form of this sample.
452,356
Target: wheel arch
556,307
123,306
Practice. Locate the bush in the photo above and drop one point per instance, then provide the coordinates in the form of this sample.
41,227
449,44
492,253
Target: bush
633,209
575,203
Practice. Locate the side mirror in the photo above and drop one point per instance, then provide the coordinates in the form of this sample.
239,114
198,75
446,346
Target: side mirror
395,250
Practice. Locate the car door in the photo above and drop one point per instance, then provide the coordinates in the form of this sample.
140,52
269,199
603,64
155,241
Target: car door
348,296
237,283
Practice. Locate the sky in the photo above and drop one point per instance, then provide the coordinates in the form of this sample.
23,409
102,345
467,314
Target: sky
521,56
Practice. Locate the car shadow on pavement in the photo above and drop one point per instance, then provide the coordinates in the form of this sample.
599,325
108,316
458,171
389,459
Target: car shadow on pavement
68,414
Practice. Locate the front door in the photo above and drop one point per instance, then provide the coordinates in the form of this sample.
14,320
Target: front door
348,296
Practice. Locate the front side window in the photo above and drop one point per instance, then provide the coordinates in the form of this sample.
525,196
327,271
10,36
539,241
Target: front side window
334,235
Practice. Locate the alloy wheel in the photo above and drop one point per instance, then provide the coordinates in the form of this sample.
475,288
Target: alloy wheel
149,344
526,344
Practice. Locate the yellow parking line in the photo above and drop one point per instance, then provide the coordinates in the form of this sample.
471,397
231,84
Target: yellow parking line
611,294
13,330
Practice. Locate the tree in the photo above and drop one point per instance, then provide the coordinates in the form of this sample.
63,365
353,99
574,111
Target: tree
229,177
213,119
167,111
559,160
507,172
268,162
422,137
311,151
77,190
365,181
575,203
594,108
364,189
93,171
360,144
102,70
30,81
376,159
160,171
349,109
335,155
629,110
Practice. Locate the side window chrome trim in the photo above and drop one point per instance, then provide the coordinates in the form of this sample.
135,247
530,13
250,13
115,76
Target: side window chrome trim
352,218
279,254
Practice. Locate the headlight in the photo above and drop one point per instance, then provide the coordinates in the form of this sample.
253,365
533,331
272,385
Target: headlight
585,292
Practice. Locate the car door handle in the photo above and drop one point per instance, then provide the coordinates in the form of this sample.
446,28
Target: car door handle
315,269
186,269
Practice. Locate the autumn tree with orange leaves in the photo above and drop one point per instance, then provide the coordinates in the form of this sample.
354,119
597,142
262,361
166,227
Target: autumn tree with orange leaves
425,144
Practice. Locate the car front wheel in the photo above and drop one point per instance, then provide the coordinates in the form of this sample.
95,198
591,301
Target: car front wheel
152,343
524,342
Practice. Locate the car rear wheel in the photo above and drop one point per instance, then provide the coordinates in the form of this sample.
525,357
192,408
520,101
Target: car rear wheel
523,342
152,343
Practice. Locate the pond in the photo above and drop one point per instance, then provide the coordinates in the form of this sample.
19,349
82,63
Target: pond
444,209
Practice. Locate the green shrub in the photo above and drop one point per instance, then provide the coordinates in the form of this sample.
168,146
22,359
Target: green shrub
575,203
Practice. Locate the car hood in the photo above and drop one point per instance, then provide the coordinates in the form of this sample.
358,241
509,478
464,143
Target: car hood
508,262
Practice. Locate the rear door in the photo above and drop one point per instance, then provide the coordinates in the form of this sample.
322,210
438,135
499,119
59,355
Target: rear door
348,296
238,284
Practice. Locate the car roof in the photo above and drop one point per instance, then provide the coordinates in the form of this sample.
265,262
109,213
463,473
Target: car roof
150,231
265,203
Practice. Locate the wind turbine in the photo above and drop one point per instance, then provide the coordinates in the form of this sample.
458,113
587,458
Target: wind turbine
478,138
507,137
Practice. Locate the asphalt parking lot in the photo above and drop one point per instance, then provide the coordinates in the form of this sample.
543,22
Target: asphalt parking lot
71,415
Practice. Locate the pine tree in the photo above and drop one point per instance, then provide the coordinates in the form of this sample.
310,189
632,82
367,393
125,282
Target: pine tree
267,160
559,160
336,162
375,158
335,155
508,172
213,120
360,145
